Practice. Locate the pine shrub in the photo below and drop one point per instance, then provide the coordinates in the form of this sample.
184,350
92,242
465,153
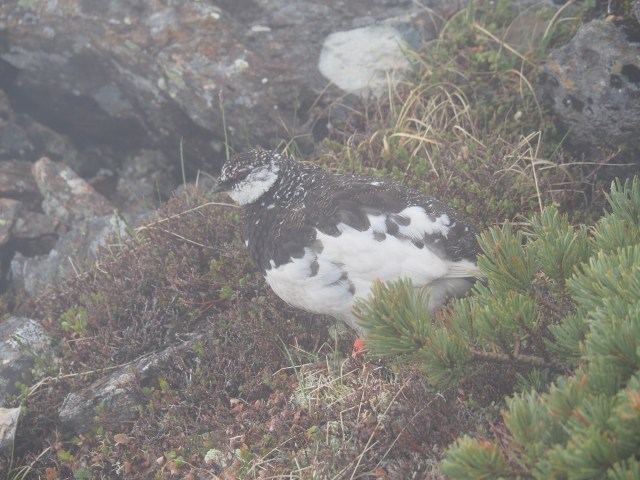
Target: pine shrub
560,303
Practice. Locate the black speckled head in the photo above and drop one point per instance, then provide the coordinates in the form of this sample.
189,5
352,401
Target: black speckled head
247,176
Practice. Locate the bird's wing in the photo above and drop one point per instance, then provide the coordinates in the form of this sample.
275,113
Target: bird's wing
381,230
385,209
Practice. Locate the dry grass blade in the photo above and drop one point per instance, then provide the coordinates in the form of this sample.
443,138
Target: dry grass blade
180,214
502,44
529,153
370,440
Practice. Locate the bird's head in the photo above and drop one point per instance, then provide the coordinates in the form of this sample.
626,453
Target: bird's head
247,176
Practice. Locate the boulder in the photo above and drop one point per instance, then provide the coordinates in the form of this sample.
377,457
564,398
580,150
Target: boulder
70,252
364,60
593,86
77,222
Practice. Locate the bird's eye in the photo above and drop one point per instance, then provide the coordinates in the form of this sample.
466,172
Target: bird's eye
240,174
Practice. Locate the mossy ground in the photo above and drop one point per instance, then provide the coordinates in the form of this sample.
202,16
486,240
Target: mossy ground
266,392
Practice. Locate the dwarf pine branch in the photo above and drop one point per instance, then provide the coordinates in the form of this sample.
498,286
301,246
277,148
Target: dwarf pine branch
509,318
587,424
556,299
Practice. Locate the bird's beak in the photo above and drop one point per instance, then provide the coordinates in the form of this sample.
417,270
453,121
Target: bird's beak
219,187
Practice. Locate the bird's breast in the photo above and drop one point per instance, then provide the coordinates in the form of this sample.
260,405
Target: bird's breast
335,269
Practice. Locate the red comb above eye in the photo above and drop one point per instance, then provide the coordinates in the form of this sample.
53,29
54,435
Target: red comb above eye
239,174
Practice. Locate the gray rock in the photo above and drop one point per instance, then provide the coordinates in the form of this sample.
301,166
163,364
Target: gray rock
117,395
8,213
8,423
22,229
14,141
17,182
21,137
21,341
593,85
71,251
145,180
32,226
77,221
67,197
32,274
139,77
49,143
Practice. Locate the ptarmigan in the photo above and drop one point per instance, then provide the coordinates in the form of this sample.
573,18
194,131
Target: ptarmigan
322,239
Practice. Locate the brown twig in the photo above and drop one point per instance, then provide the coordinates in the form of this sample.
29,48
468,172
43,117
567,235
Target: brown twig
514,357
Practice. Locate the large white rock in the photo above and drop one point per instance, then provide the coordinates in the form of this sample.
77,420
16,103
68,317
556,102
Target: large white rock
363,61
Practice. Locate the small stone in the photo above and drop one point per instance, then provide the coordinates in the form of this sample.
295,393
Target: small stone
32,225
121,438
8,422
17,182
8,213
